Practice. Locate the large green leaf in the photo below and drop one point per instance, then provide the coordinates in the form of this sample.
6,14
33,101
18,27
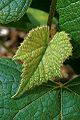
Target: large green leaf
69,20
12,10
42,58
47,102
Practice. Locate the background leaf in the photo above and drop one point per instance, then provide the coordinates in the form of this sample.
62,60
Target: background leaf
31,20
42,59
49,101
39,18
12,10
69,21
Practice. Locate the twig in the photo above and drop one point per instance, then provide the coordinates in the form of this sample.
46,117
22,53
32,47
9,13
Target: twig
51,13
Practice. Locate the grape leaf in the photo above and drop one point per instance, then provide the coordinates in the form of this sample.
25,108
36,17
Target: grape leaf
42,59
46,102
12,10
69,21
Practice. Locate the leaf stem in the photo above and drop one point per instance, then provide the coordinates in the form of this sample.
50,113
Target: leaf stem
51,13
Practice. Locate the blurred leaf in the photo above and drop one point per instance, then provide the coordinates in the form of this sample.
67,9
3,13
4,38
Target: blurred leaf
37,17
31,19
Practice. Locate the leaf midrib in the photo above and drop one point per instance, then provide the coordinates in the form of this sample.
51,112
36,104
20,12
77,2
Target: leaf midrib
43,53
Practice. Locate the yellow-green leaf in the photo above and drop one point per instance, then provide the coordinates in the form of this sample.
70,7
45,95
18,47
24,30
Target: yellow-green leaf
42,59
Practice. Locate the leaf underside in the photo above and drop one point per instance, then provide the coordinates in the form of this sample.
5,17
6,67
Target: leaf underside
42,59
69,21
46,102
12,10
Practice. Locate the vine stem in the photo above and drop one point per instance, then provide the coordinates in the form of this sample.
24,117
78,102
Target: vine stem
51,13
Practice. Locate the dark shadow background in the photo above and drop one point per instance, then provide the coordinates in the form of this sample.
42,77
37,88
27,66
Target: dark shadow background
41,4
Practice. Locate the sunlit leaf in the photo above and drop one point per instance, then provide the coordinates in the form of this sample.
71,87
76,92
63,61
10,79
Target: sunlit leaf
42,58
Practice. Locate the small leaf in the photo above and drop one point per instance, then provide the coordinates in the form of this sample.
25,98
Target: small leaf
39,18
12,10
69,21
42,59
46,102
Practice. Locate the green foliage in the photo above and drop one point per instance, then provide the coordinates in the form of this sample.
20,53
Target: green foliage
47,102
69,20
12,10
42,59
39,18
31,20
41,95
